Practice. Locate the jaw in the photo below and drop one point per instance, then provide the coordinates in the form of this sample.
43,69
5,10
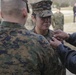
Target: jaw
45,27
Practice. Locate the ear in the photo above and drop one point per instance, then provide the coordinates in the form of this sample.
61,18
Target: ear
33,18
24,12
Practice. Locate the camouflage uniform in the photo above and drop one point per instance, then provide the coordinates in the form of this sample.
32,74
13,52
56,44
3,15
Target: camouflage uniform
58,21
61,70
25,53
39,9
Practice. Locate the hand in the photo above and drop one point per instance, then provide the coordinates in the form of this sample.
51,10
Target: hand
60,35
55,43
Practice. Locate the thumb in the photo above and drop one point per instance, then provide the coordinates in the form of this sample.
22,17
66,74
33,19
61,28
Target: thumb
52,41
56,35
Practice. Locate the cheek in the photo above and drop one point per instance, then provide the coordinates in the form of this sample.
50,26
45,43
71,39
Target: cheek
39,22
39,25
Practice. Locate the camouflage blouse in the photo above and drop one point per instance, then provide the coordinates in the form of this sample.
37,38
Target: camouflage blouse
25,53
61,69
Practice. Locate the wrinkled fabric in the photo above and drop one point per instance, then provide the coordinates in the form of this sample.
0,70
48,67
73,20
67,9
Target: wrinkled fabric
61,70
68,56
25,53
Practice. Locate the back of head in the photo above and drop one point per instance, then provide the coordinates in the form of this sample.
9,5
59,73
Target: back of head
12,7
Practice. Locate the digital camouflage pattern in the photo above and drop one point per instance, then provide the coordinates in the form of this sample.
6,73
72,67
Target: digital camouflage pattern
25,53
42,8
48,36
58,21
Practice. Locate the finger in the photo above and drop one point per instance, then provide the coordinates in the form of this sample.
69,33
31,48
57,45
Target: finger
54,39
57,31
51,42
57,36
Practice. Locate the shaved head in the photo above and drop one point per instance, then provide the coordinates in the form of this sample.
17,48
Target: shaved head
14,7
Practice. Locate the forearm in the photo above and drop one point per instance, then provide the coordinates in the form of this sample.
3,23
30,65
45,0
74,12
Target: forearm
72,39
68,57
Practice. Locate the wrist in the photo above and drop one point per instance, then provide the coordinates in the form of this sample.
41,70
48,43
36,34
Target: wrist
67,37
58,47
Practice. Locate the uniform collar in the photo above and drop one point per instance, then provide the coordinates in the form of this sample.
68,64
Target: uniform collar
43,35
11,25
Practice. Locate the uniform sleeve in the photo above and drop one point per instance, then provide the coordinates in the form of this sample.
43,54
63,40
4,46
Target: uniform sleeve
72,39
68,56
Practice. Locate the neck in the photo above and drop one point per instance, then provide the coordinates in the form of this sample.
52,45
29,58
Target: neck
39,31
12,19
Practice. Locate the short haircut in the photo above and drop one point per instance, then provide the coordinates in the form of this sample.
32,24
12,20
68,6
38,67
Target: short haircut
10,7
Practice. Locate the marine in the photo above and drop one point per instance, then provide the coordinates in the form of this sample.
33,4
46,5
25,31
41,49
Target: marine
41,17
58,19
21,51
